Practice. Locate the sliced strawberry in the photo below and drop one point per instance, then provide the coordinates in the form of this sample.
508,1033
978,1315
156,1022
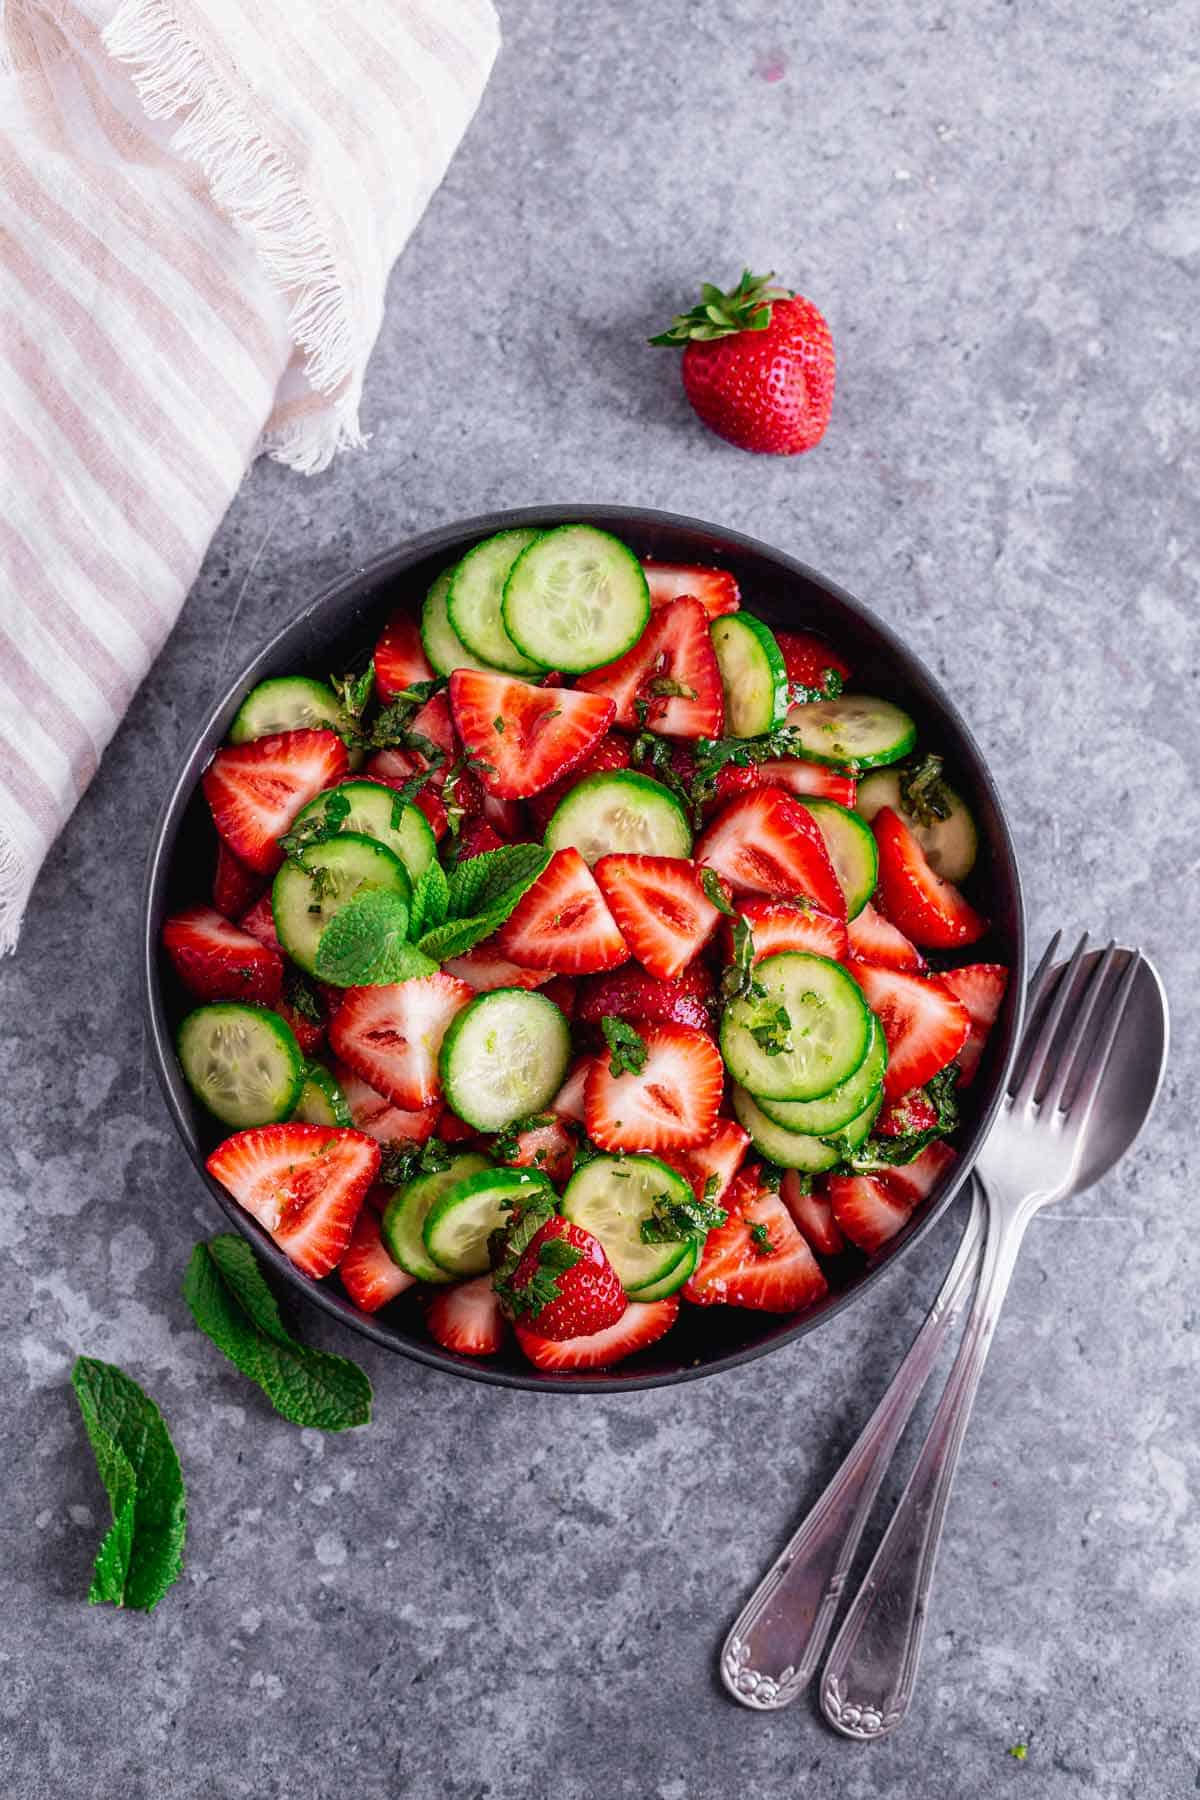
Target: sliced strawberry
391,1035
868,1211
611,752
255,790
715,589
466,1318
507,820
912,1182
670,682
235,887
721,1155
584,1296
484,968
813,780
435,721
662,911
305,1184
400,658
549,1147
671,1103
778,925
220,961
874,939
633,994
367,1272
906,1115
812,1214
395,769
641,1324
259,921
765,843
980,988
772,1270
926,907
925,1026
476,838
375,1115
562,990
808,661
524,737
562,923
569,1101
453,1130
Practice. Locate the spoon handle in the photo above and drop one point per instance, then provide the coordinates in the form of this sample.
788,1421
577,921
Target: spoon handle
868,1680
777,1639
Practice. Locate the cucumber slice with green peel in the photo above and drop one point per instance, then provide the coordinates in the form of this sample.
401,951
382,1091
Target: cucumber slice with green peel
950,844
675,1277
852,850
753,674
289,703
796,1149
576,599
855,730
504,1057
374,813
321,1101
443,646
403,1224
242,1063
833,1111
474,598
611,1196
622,811
803,1028
310,889
459,1223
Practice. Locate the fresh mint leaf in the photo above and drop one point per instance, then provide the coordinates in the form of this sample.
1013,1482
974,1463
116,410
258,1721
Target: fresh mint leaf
627,1046
889,1152
737,981
365,944
354,691
142,1552
649,751
714,892
554,1258
457,936
508,1244
318,828
430,901
300,995
506,1144
924,795
671,1221
770,1176
497,878
391,727
772,1030
760,1238
404,1159
232,1304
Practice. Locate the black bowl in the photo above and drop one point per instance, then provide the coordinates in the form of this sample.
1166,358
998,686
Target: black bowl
347,619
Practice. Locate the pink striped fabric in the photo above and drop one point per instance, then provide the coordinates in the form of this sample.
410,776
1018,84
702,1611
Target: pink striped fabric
200,201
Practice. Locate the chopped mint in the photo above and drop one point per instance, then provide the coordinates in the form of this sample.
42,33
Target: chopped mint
627,1046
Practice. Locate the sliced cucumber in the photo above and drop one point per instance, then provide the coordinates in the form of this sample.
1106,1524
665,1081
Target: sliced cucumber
288,703
620,811
950,844
404,1217
854,729
835,1110
404,830
474,598
443,646
460,1221
575,599
242,1063
309,891
321,1101
676,1275
753,674
812,1023
611,1196
851,846
505,1056
795,1149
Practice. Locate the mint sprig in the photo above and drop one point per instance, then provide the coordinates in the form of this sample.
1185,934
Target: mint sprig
365,944
481,893
142,1551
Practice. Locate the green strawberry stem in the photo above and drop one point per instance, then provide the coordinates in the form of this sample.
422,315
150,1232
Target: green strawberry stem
746,308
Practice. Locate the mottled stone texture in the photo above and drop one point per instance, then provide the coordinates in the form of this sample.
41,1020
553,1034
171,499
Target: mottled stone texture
504,1595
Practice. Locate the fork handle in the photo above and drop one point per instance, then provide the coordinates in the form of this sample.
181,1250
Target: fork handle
868,1680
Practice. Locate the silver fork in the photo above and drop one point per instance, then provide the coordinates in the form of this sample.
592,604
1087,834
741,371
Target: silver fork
1032,1156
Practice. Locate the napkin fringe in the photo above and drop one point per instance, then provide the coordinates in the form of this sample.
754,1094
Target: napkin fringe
15,878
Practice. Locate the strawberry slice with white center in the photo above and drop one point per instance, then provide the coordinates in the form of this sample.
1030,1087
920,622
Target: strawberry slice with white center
874,939
391,1035
466,1318
927,908
812,1214
868,1211
524,738
235,887
980,987
641,1324
912,1182
764,843
254,791
219,961
808,661
485,968
812,780
366,1271
721,1155
779,925
715,589
400,658
562,923
661,909
611,752
756,1259
305,1184
671,1102
569,1101
925,1026
374,1114
670,682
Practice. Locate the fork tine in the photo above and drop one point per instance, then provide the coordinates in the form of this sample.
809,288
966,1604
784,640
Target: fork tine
1084,1097
1066,1063
1039,1050
1039,980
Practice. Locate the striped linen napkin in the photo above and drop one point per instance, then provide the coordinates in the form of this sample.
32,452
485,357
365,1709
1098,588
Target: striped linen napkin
200,201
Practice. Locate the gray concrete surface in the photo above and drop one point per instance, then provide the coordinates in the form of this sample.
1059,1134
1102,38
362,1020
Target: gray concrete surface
500,1595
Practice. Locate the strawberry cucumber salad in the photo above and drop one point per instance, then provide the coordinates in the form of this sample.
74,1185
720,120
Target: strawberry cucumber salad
593,952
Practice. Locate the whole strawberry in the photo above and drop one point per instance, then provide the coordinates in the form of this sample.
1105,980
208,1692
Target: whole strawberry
563,1285
758,365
